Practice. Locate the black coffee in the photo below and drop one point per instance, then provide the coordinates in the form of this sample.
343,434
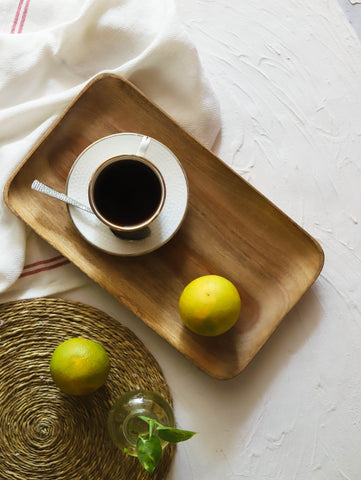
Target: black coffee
127,192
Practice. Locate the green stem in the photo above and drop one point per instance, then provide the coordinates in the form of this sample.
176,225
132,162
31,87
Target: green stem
151,426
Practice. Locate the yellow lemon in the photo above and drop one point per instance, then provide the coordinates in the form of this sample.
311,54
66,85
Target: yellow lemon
79,366
210,305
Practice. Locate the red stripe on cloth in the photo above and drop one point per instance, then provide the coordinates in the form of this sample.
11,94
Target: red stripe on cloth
43,269
25,12
43,262
17,16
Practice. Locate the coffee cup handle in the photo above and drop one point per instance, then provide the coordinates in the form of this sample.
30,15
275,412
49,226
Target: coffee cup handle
143,146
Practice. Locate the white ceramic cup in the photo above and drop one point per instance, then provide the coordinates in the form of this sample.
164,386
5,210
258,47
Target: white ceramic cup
127,193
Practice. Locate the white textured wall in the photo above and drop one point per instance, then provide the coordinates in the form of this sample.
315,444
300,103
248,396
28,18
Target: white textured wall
288,75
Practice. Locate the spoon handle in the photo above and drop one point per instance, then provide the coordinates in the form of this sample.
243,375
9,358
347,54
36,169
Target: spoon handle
42,188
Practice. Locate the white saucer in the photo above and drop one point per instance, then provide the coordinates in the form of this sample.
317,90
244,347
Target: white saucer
164,226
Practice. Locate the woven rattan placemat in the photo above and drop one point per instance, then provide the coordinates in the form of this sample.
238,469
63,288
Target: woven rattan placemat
46,434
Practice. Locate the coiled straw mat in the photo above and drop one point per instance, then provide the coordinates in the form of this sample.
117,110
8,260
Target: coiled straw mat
46,434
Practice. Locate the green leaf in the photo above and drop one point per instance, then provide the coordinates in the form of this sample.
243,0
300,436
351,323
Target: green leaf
174,435
149,452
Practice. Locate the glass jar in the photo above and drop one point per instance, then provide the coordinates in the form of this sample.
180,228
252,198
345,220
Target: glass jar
124,424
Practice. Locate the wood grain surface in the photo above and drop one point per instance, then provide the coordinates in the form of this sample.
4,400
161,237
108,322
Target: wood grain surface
230,229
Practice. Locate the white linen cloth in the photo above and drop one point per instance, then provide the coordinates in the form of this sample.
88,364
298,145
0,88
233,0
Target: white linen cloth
48,52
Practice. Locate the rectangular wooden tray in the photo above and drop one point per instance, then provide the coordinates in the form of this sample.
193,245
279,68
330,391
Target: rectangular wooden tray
230,229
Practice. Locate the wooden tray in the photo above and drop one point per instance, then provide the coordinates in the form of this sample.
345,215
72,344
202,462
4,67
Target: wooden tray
230,229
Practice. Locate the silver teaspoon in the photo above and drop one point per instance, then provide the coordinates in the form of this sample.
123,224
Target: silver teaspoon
42,188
